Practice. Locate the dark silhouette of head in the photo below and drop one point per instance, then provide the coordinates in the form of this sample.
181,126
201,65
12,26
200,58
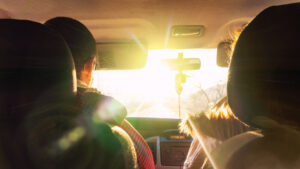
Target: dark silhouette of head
81,42
264,75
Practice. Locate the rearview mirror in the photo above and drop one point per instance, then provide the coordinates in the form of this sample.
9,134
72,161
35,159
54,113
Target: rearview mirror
224,52
121,56
181,63
184,64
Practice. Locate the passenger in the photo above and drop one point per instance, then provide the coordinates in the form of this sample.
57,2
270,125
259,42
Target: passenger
83,48
40,127
263,91
215,126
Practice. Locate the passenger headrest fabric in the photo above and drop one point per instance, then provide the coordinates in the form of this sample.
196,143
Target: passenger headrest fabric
266,66
35,64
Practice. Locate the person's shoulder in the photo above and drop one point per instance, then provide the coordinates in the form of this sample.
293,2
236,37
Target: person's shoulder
83,90
92,90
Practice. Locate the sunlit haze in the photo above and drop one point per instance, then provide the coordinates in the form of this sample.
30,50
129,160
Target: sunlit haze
150,92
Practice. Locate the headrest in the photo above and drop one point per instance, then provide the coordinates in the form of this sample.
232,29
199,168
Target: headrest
35,64
266,66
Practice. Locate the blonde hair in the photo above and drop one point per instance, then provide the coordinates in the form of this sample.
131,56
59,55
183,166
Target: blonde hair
229,33
219,123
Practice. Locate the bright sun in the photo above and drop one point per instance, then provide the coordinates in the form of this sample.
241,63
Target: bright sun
156,83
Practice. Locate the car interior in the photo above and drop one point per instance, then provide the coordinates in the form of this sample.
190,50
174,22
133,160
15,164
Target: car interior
162,59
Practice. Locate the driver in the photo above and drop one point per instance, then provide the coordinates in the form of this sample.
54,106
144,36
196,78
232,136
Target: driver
83,48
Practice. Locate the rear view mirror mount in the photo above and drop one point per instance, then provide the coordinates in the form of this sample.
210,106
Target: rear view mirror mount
181,64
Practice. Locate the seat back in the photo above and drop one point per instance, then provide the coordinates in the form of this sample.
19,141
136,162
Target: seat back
36,70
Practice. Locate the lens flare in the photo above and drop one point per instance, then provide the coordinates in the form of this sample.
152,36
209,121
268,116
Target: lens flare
71,138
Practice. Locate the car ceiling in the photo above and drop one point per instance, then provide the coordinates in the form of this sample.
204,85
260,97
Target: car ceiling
149,20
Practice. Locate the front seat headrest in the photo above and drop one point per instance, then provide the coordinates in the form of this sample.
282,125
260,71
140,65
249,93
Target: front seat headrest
264,75
35,65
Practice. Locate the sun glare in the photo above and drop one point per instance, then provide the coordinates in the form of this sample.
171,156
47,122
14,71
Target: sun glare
145,92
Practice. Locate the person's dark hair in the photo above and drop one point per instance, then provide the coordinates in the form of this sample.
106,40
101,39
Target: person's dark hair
78,37
264,75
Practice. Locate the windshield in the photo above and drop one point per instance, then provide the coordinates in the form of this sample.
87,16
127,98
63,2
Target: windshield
151,92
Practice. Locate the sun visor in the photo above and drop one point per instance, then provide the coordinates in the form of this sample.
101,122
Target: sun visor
129,55
224,52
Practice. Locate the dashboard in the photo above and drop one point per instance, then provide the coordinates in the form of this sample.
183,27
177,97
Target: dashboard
168,146
169,149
